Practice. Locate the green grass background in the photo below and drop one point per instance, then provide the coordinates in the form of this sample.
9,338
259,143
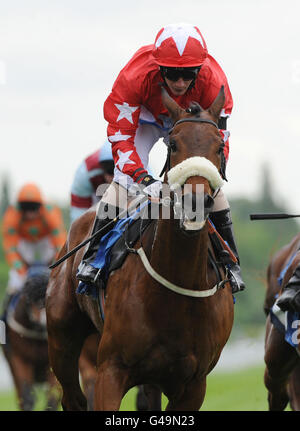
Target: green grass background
241,390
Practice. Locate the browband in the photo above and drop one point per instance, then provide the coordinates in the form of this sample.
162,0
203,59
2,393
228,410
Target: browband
194,120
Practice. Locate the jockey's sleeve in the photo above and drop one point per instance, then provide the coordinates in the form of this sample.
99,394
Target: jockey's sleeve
11,238
222,123
121,111
57,232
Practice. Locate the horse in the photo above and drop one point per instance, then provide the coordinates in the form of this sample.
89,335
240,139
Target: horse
87,367
26,348
282,371
167,341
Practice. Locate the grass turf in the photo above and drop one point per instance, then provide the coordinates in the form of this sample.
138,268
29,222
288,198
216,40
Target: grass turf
242,390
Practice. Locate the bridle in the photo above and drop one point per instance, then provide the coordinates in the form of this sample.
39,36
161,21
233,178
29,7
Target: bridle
167,164
161,280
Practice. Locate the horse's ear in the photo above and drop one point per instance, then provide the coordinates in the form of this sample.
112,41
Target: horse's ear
217,105
174,109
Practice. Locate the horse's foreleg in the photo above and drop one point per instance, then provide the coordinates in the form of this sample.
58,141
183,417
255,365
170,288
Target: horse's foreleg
148,398
294,388
280,359
23,378
64,351
141,399
191,398
88,374
111,385
277,390
53,392
153,396
67,330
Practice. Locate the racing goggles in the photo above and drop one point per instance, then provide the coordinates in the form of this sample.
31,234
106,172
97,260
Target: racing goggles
29,206
186,73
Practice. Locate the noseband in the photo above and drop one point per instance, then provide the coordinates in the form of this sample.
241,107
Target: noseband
167,164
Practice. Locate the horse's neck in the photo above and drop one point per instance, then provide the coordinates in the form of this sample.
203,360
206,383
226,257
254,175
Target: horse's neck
180,258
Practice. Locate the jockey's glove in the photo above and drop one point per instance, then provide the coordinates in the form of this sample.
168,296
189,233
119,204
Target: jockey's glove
152,187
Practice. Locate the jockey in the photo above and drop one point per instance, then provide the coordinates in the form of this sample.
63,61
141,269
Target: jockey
137,119
95,170
289,300
33,231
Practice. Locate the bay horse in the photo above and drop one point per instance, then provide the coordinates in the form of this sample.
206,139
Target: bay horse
87,367
151,335
26,348
282,372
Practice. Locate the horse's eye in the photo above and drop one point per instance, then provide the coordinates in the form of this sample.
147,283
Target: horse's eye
173,145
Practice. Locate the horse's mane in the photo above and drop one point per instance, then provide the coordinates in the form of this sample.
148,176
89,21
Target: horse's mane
35,288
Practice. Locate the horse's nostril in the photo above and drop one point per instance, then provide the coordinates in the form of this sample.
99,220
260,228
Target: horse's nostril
208,201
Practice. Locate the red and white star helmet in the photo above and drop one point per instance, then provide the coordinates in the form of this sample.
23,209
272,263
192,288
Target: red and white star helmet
179,45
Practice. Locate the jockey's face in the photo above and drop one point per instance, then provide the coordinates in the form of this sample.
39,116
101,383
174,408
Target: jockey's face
178,79
108,178
179,87
30,215
30,210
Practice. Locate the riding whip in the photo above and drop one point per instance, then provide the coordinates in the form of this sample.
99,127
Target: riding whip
272,216
138,200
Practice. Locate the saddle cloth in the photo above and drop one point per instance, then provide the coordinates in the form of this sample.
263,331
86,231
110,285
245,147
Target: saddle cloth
286,322
114,248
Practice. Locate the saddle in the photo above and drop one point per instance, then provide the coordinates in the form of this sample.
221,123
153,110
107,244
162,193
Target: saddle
126,234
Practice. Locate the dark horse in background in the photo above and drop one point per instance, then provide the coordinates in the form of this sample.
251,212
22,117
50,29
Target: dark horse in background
282,373
152,336
26,348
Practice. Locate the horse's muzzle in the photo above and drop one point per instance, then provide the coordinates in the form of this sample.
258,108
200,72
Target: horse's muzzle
195,211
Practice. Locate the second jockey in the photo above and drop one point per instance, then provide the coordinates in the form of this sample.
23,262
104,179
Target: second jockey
137,119
33,231
95,170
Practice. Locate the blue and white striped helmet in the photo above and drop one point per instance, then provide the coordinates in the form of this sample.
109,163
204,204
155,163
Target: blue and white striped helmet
105,151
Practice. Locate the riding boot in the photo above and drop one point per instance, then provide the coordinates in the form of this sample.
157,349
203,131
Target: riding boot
86,272
290,298
223,223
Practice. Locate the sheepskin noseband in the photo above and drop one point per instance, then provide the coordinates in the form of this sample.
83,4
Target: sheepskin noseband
195,166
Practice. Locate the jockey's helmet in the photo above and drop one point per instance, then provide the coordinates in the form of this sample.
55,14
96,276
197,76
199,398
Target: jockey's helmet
179,45
106,158
29,197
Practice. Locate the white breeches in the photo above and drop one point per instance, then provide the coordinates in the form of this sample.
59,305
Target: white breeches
31,252
146,136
